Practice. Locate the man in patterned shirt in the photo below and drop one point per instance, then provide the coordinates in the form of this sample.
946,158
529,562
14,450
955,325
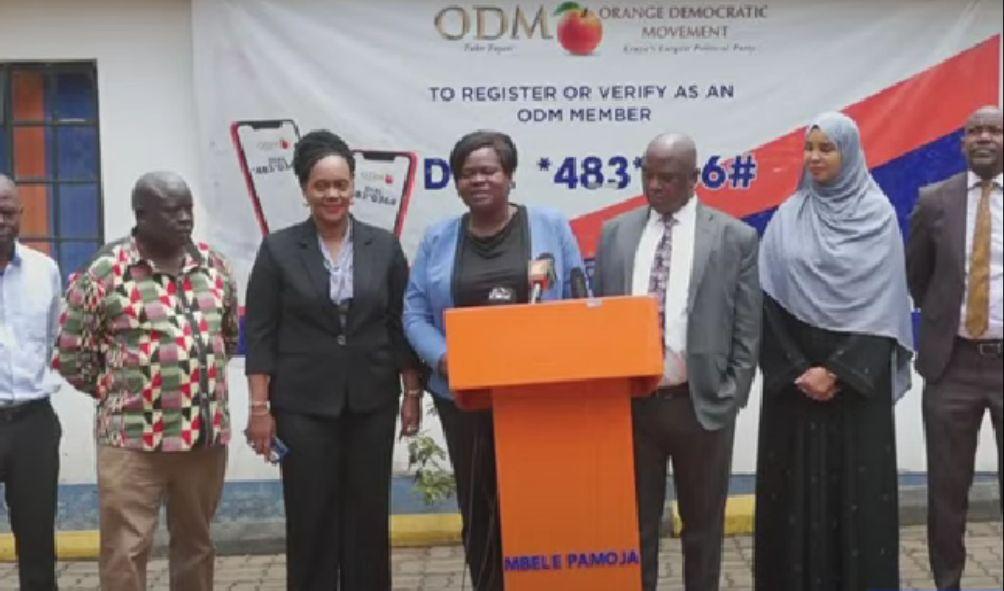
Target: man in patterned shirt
147,331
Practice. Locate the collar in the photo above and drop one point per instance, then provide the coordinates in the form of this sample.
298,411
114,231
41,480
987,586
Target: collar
18,254
194,255
684,214
347,239
16,258
973,180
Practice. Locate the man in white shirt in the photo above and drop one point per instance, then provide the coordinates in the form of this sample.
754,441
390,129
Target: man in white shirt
954,267
29,429
701,266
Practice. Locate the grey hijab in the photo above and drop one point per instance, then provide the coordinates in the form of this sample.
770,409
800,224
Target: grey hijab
832,255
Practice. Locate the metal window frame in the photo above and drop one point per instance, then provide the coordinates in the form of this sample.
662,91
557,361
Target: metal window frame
50,70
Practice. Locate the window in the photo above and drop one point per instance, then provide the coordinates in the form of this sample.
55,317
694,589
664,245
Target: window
49,146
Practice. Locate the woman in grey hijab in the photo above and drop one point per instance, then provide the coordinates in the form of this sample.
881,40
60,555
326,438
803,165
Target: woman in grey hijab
835,356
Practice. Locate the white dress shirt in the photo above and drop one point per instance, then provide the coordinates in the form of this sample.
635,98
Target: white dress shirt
29,321
994,328
681,261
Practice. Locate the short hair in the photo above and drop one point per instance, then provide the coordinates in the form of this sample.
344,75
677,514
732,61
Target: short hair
503,145
316,145
156,184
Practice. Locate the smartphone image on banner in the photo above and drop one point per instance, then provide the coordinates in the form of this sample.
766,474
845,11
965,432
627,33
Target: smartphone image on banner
384,183
384,179
265,153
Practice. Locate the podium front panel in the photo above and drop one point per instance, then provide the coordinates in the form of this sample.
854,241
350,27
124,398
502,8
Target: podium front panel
566,487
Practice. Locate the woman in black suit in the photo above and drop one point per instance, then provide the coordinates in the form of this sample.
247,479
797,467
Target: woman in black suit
325,359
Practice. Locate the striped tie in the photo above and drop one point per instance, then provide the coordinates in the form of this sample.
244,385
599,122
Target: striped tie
978,299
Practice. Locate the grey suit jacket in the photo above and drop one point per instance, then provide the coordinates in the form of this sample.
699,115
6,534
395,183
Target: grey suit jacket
724,305
936,270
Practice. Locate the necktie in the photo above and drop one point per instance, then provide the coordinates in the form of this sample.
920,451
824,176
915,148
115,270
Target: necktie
659,276
978,299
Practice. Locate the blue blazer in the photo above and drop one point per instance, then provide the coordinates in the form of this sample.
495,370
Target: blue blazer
430,284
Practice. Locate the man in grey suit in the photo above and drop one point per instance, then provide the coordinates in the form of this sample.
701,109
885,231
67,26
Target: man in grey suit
701,265
954,270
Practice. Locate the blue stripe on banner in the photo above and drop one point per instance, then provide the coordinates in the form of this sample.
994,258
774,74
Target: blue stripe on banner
902,178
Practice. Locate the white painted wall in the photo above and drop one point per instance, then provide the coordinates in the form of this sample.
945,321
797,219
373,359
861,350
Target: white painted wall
145,91
146,104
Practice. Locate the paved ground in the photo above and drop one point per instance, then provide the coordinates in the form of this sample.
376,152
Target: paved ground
440,568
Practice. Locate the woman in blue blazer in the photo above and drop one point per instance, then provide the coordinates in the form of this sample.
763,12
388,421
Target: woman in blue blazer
480,258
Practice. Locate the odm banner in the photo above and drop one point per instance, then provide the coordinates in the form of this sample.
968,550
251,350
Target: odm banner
581,87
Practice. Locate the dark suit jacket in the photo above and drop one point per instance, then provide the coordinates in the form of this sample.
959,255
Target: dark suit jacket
724,305
936,270
293,330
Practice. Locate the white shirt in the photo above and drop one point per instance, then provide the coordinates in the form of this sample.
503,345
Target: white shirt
29,320
681,262
994,328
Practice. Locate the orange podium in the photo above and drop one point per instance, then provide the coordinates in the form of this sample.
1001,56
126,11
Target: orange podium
559,377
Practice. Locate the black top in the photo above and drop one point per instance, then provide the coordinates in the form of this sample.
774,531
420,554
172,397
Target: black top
493,270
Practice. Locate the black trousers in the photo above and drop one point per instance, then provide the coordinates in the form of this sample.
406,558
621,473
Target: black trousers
954,406
470,438
29,468
336,488
668,430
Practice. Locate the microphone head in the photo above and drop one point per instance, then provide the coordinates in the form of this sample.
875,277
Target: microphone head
578,283
542,271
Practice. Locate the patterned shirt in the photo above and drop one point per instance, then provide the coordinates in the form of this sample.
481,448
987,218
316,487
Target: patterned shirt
152,347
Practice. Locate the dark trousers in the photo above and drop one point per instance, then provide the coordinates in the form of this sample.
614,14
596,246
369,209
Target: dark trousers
336,488
470,438
953,410
29,468
668,429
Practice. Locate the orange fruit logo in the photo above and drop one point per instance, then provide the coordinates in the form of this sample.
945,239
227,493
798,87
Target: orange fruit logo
580,30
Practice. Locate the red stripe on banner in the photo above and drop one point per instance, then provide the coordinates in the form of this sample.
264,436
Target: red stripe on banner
894,121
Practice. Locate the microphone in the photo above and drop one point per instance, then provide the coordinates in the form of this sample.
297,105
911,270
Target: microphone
541,275
578,281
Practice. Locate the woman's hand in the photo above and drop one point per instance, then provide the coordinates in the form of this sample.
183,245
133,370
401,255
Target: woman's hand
260,431
411,413
818,383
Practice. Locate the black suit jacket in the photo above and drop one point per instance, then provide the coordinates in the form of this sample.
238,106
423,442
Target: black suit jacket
293,329
936,270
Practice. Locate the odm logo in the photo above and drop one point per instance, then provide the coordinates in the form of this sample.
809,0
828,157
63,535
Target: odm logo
580,31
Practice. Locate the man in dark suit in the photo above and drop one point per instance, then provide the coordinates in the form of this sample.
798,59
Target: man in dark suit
953,259
701,265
